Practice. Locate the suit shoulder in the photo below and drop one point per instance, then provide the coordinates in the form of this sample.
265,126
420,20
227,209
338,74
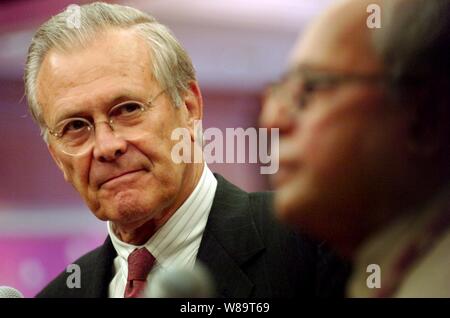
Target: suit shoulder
273,231
263,212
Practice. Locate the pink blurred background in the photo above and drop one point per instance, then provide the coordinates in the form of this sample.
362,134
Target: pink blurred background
237,47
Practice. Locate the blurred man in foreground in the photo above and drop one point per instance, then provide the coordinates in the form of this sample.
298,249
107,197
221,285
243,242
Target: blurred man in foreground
364,119
107,93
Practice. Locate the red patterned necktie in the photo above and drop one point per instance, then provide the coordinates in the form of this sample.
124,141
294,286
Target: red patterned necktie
140,262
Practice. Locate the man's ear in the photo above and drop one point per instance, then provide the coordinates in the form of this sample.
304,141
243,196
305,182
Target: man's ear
58,161
194,105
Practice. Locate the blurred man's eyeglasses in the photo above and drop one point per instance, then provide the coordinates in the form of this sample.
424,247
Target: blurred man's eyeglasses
76,136
297,87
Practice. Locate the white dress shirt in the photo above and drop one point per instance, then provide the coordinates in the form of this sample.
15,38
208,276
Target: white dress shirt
176,243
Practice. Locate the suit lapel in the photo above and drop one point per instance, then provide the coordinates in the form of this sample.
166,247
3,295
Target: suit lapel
97,274
230,240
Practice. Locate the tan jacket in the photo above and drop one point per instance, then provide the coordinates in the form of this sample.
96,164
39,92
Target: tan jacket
425,274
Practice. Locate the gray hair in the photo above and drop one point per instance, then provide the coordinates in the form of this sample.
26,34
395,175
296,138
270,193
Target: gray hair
414,44
171,66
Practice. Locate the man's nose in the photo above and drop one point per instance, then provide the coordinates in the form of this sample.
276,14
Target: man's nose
275,113
108,146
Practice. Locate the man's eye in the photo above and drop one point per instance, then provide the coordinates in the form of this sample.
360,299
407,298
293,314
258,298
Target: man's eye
74,126
126,110
305,95
309,87
303,101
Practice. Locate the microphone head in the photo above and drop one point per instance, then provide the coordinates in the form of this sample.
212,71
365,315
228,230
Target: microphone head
176,282
9,292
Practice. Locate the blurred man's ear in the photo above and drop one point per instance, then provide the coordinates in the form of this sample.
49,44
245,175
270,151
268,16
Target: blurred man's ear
194,104
57,161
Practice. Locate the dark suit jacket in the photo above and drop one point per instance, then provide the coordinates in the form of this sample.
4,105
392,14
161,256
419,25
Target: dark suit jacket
247,251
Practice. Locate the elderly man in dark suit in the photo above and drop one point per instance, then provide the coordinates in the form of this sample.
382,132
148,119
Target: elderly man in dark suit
364,119
108,91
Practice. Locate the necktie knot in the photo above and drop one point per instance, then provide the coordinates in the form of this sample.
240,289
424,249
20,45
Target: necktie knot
140,262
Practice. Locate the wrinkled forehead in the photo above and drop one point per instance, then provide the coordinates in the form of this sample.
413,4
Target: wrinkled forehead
339,39
115,61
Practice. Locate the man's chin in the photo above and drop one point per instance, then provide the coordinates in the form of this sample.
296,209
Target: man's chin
124,209
293,203
286,204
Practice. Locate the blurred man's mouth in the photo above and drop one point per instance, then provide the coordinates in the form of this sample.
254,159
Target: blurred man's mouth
289,162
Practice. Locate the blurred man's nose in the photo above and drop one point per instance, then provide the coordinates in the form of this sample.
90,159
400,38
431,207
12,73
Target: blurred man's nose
108,146
275,113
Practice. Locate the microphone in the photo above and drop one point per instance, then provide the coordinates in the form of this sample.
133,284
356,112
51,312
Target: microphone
9,292
175,282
